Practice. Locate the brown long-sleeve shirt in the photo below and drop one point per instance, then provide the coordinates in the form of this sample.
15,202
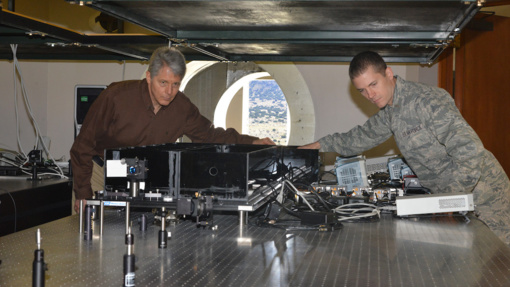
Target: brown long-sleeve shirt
123,116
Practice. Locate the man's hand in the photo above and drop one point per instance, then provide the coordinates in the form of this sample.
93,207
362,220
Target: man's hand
264,141
315,145
77,205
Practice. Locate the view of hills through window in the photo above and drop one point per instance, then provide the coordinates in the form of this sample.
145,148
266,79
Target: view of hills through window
268,111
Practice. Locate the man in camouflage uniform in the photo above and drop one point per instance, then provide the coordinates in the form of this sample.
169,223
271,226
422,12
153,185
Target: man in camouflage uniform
438,144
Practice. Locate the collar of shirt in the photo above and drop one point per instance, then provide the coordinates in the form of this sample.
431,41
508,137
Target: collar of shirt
397,99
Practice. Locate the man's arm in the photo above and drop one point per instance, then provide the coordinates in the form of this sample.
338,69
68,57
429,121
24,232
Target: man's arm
199,129
315,145
81,162
85,144
373,132
264,141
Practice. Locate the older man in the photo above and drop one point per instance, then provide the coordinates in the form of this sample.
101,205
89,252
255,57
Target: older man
144,112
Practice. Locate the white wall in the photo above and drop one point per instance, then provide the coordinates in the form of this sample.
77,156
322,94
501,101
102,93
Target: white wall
35,77
50,87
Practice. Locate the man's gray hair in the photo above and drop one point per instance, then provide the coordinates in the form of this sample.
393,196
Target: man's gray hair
167,56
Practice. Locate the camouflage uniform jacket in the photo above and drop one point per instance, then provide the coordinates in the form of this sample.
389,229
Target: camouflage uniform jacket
438,144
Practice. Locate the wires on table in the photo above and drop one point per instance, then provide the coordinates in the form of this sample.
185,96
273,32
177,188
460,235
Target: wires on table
357,212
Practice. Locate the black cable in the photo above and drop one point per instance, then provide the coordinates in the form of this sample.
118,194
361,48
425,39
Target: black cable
273,197
294,225
324,203
260,220
289,211
256,165
321,175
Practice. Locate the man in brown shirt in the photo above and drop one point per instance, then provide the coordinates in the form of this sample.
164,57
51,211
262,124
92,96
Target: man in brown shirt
144,112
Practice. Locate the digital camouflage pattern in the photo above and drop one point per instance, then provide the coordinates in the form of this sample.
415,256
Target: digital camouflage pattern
440,147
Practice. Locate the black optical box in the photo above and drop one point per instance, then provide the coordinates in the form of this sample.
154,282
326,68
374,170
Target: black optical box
233,174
